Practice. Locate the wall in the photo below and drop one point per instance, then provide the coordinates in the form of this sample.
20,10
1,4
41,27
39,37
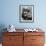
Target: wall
9,13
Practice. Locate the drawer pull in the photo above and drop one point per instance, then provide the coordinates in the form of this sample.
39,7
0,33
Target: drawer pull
33,39
10,38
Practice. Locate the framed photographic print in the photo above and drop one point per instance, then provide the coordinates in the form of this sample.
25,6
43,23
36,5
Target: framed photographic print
26,13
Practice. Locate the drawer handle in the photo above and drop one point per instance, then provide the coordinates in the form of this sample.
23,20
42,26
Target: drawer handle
11,38
33,39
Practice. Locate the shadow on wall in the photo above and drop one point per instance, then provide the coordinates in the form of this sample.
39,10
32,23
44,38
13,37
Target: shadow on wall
2,26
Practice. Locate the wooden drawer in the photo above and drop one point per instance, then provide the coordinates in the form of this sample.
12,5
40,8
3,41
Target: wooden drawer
13,44
37,44
12,39
34,33
37,39
13,33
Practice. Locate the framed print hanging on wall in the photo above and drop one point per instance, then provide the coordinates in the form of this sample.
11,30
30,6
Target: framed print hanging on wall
26,13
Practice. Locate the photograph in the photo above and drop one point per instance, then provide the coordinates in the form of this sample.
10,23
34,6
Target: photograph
26,13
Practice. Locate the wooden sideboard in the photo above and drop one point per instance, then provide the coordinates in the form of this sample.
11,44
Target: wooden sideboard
23,38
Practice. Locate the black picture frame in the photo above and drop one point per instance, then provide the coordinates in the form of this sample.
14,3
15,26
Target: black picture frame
26,13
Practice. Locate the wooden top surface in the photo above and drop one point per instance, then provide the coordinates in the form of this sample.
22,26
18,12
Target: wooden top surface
22,30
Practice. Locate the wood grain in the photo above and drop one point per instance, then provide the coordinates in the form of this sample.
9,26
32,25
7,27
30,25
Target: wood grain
23,39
